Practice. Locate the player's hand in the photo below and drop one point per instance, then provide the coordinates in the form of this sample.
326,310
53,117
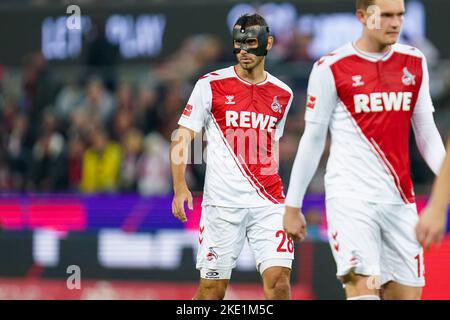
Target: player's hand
431,227
181,196
294,223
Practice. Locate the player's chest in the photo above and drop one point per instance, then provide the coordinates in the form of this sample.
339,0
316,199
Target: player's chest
381,87
248,106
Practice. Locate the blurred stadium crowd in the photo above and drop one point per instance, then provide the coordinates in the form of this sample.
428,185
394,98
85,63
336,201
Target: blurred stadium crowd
104,126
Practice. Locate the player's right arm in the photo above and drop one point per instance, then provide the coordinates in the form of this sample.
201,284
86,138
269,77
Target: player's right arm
191,122
322,99
307,160
179,150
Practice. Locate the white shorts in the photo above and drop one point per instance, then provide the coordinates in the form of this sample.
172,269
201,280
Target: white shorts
223,232
375,239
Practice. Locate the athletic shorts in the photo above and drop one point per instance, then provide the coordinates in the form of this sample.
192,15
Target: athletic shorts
375,240
223,232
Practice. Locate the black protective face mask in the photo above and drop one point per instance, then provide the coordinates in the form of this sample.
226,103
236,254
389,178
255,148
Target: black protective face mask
253,32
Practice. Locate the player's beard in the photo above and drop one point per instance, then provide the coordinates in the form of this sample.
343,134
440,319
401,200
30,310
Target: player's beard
252,65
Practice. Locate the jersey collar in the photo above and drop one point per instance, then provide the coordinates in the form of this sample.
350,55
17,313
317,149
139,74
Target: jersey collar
362,55
249,83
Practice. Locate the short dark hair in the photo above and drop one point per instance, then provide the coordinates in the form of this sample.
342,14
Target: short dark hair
364,4
248,20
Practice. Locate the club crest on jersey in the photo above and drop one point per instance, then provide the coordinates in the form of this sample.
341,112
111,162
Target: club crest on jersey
230,100
276,106
357,81
311,102
408,78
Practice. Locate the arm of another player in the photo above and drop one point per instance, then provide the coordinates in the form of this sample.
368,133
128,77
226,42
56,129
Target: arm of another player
431,226
433,220
321,101
428,139
179,150
307,160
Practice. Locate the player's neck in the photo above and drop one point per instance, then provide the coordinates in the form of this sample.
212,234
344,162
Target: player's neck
366,44
254,75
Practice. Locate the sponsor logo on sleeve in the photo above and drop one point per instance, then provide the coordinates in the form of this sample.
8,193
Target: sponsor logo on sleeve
187,110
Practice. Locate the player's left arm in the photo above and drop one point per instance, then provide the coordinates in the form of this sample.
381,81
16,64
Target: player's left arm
428,139
433,220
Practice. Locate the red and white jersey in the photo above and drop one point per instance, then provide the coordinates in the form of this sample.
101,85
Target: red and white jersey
242,122
368,104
